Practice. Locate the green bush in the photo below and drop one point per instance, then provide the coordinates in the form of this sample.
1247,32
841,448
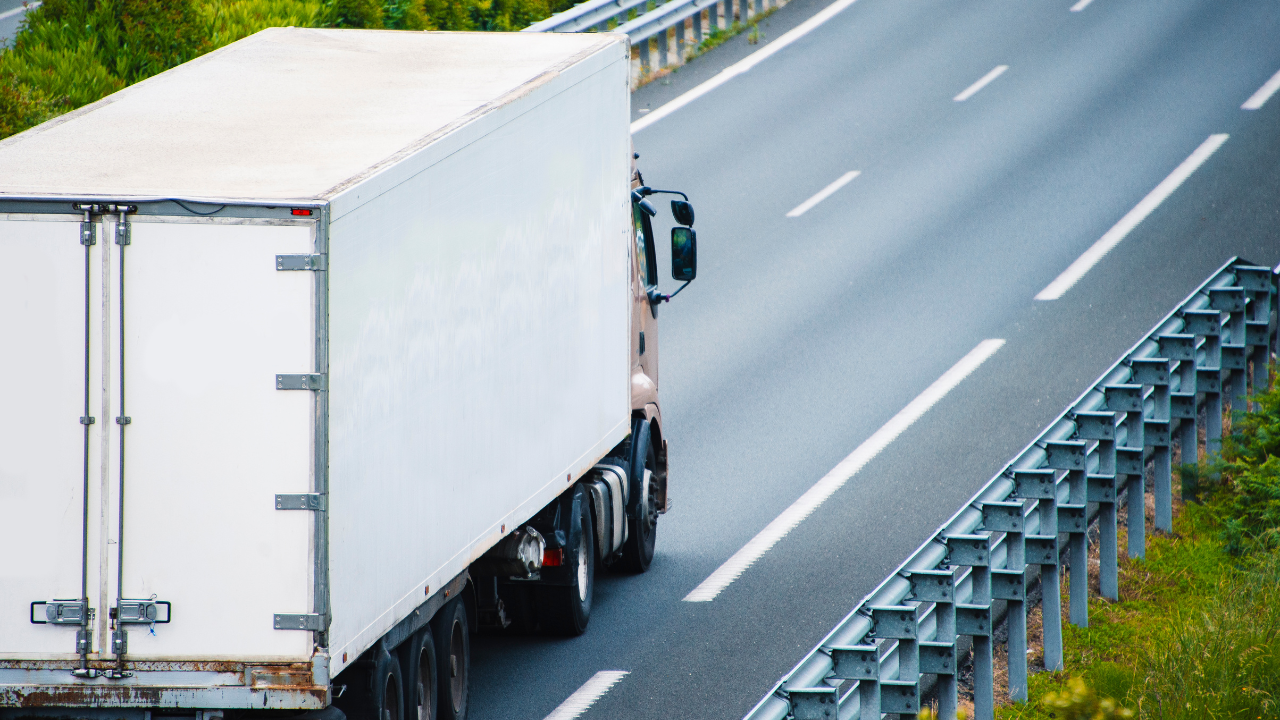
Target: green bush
1247,501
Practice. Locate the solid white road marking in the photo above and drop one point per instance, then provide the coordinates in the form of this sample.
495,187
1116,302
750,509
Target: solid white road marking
742,65
591,691
1258,99
840,474
972,90
1085,262
1080,5
18,10
824,193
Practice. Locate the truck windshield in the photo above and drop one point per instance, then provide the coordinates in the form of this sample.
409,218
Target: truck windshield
645,251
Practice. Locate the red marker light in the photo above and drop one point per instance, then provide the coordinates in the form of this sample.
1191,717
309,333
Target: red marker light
301,211
553,558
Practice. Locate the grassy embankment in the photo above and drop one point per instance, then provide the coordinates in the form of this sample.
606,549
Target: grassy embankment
1196,633
70,53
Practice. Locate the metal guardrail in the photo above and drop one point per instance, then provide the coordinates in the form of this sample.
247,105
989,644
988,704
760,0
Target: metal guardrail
1093,457
648,25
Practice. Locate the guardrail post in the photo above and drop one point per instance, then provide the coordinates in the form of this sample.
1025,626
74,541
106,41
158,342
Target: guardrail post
1235,362
1042,549
938,657
1256,282
1208,324
1101,427
1127,399
861,663
644,56
974,617
744,6
663,60
1073,519
679,42
1182,404
1154,372
728,14
697,28
1010,584
759,7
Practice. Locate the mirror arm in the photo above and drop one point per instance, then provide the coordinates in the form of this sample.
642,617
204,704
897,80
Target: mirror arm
657,297
651,191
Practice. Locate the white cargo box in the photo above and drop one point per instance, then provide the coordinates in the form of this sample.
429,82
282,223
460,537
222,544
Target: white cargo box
371,309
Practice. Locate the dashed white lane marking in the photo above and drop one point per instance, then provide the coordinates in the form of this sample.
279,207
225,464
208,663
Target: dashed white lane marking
1264,93
1080,5
1085,262
972,90
824,193
742,65
840,474
18,10
585,696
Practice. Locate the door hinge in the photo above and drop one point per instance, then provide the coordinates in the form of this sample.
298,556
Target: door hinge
87,420
88,233
301,501
309,621
300,381
301,262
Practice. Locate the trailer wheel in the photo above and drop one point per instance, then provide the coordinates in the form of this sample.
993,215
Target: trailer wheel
568,608
642,515
387,688
423,675
453,653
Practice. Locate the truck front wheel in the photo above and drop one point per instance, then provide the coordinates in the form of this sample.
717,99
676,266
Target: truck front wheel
642,516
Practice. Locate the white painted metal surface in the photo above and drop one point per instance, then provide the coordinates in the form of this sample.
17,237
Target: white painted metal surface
285,114
479,343
210,321
479,338
41,439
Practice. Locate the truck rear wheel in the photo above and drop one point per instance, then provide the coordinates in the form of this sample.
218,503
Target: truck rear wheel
388,687
642,515
422,676
568,608
453,653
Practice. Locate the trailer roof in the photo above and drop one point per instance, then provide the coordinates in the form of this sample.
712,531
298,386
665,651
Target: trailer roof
285,114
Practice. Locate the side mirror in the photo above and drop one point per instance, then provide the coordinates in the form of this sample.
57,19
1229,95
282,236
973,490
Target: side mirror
684,253
647,207
683,212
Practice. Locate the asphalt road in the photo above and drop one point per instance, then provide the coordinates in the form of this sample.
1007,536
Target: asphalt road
802,336
11,15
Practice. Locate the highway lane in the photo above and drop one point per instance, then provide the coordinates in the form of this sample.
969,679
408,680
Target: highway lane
12,13
804,335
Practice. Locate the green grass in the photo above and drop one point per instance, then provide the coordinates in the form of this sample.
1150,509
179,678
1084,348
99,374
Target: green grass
1196,633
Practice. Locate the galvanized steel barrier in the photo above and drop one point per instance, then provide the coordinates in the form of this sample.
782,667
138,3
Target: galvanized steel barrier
682,15
1092,458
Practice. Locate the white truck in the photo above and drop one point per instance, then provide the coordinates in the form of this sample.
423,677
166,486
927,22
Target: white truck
321,352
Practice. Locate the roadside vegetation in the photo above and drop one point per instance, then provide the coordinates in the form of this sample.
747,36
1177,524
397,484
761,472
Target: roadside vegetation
1196,633
69,53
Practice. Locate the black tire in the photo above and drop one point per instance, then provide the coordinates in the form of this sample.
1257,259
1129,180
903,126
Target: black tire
453,655
422,676
567,609
388,687
642,508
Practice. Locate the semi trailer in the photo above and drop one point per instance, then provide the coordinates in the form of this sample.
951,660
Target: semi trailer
323,352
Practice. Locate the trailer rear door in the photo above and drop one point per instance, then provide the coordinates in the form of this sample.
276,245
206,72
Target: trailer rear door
189,324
